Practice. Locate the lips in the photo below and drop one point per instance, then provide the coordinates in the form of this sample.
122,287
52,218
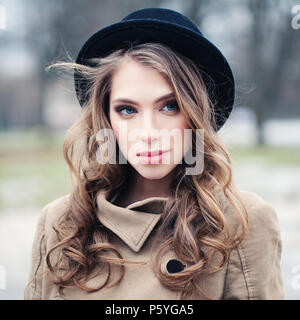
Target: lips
150,153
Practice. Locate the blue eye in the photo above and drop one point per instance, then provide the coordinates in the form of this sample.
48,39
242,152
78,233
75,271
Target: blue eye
120,109
172,108
173,105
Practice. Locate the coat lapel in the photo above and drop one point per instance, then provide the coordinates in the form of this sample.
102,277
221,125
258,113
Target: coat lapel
134,223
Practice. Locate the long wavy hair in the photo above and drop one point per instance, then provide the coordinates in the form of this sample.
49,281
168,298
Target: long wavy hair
193,222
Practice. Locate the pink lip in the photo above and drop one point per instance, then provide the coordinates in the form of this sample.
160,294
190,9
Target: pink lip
150,153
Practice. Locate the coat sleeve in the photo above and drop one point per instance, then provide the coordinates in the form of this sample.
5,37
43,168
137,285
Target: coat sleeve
254,271
33,289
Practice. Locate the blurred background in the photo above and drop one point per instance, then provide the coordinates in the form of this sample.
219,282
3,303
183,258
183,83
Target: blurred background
261,40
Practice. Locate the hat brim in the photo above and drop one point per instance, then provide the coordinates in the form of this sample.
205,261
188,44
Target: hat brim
214,67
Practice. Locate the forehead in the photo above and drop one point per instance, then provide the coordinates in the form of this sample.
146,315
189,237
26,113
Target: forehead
134,78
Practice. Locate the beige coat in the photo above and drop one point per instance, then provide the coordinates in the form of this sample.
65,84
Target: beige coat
252,272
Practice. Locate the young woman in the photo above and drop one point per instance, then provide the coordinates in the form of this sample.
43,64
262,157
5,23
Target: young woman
143,220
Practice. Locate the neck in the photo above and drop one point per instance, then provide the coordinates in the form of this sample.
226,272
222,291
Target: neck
143,188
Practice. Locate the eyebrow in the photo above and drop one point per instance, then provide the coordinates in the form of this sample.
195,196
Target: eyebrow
124,100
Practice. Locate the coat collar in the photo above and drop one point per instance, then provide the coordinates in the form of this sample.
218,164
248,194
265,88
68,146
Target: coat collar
134,223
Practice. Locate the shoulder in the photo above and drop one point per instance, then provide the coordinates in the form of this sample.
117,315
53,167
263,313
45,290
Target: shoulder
262,217
261,214
51,213
258,256
263,223
44,237
263,230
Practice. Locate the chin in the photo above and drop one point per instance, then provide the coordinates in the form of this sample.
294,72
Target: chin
154,171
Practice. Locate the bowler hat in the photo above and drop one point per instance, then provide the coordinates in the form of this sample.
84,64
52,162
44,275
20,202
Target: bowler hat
175,30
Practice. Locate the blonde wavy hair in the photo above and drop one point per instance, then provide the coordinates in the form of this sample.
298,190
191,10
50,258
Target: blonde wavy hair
193,222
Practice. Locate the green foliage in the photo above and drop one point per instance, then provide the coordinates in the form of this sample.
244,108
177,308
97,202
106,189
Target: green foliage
33,171
273,155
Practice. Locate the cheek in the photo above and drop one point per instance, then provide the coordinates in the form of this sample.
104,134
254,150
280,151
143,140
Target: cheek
181,125
116,130
184,144
121,130
115,124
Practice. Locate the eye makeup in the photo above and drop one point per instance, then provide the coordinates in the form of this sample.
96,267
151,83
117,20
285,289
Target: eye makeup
172,103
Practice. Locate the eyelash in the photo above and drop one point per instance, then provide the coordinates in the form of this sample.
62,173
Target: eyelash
172,102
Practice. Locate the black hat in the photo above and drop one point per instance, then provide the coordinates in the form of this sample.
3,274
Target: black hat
176,31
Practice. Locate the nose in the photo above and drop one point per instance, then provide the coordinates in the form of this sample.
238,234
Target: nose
149,130
148,135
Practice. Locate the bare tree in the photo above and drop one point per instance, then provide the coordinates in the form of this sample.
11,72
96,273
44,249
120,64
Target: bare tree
271,49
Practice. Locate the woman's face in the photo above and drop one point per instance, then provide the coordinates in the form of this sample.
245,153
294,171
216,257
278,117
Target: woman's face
138,123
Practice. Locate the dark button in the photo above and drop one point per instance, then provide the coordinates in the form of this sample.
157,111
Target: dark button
174,266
